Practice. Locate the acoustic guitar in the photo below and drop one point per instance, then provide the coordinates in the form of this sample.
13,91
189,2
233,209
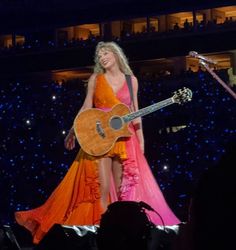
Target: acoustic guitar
97,130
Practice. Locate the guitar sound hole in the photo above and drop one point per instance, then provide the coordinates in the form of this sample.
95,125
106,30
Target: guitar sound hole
116,123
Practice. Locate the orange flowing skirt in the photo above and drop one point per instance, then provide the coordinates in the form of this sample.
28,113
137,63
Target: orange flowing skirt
75,201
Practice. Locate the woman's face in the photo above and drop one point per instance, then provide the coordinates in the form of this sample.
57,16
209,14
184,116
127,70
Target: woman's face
106,58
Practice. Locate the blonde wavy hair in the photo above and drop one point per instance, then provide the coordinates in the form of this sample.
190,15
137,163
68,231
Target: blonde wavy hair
121,57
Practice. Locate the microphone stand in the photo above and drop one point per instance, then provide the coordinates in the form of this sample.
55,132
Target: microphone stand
217,78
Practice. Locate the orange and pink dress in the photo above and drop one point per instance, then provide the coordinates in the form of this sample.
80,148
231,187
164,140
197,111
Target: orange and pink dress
76,200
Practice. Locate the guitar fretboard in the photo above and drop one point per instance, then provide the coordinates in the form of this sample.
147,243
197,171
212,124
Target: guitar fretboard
148,110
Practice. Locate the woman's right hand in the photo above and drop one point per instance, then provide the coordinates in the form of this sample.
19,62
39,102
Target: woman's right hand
69,141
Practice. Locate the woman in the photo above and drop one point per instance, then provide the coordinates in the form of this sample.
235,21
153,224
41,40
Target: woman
121,174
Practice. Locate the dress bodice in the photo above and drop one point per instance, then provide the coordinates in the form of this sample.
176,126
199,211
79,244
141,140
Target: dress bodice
104,96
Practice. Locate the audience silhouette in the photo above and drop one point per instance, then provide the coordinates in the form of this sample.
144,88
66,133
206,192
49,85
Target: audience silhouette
212,207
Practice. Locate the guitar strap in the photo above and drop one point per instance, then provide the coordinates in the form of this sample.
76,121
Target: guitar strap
129,83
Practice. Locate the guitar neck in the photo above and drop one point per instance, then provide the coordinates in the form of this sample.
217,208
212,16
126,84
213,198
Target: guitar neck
148,110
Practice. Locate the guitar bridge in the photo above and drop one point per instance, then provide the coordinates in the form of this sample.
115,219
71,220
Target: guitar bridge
99,129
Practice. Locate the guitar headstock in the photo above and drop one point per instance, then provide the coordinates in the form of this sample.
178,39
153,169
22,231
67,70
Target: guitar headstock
182,95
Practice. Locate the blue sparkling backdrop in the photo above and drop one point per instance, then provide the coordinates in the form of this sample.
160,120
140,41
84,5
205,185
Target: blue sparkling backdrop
182,141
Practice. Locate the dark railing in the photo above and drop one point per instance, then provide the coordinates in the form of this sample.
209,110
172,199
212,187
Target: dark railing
138,47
